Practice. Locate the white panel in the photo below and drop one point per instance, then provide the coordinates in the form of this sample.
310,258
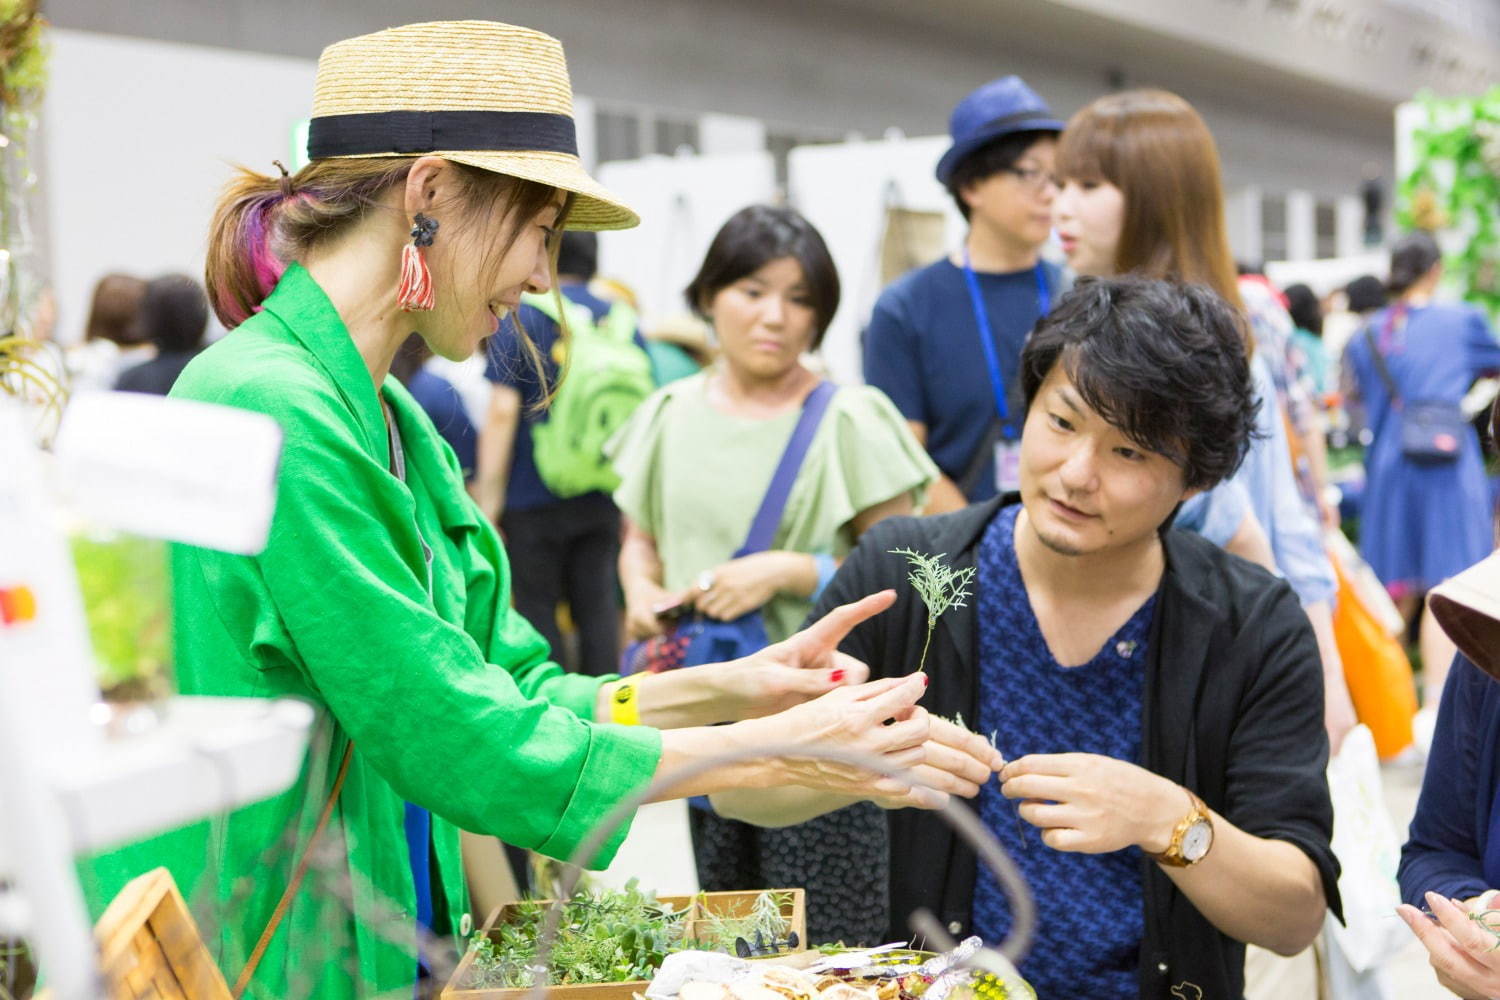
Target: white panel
1349,225
843,190
1301,225
583,122
140,136
1242,219
730,134
682,200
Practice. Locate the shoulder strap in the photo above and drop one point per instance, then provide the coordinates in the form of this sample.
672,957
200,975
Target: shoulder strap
768,518
1380,366
298,874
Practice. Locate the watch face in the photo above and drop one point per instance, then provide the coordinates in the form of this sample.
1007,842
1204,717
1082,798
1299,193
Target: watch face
1197,840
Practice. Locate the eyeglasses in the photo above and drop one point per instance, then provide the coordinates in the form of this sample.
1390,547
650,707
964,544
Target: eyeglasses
1035,178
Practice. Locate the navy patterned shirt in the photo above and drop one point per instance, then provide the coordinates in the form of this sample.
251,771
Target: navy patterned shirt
1090,908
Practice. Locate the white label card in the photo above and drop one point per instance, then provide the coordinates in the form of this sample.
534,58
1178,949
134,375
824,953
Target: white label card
1007,465
171,468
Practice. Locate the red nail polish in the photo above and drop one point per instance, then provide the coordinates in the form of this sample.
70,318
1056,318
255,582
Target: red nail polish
837,677
924,680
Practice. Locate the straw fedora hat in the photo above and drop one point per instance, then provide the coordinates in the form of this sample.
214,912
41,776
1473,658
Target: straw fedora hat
493,96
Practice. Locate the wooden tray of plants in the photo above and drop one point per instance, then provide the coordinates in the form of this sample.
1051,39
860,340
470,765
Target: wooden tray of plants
612,943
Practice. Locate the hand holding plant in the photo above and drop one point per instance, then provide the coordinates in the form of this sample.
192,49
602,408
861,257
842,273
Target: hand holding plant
939,585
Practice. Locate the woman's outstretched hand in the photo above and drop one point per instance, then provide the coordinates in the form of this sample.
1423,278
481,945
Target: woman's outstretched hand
882,720
804,666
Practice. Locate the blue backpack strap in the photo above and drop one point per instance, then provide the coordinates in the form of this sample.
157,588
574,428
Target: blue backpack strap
768,518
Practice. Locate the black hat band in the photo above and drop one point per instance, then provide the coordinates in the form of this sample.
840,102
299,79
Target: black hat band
429,131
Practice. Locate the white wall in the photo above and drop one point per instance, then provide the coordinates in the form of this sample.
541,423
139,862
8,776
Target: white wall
682,201
139,137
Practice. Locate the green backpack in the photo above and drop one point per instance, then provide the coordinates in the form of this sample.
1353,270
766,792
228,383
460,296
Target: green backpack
606,376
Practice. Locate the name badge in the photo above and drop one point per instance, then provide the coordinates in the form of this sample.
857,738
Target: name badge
1007,465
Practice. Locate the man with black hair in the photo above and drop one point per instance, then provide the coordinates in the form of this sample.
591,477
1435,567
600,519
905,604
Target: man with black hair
944,340
1161,701
563,547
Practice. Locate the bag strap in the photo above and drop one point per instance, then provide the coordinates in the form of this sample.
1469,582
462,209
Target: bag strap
298,874
768,518
1380,366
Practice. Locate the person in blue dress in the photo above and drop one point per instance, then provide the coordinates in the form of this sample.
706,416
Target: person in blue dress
1423,521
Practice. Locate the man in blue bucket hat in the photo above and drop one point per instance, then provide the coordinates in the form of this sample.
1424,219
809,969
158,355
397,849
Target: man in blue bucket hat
944,341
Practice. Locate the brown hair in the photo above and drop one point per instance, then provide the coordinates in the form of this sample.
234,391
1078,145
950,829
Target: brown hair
262,223
112,314
1156,149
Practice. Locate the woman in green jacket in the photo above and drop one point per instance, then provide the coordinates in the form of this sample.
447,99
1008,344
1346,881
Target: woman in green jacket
383,596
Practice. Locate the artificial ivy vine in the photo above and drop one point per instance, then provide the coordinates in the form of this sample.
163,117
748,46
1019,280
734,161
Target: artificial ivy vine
1456,184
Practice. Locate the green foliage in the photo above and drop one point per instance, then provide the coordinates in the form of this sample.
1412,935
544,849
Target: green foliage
609,937
938,584
719,932
126,599
1456,182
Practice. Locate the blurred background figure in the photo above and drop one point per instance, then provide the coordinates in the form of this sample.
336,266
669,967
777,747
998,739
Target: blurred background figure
944,341
111,336
1306,311
562,535
694,466
173,317
1426,512
441,401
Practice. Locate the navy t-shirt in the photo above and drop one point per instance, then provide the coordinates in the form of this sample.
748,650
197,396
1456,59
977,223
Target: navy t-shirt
506,363
922,349
1090,907
437,396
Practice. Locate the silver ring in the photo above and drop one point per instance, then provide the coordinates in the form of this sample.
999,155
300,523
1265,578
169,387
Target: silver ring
706,580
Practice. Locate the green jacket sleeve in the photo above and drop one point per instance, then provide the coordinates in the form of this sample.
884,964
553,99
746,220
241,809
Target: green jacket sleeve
458,728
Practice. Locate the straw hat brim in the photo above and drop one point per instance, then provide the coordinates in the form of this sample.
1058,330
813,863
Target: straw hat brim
594,207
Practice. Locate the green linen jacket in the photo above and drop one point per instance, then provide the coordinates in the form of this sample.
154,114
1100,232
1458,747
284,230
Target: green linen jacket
447,693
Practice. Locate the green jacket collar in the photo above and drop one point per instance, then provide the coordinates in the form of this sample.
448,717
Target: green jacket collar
305,309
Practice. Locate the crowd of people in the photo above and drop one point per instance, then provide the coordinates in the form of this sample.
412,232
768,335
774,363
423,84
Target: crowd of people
1087,406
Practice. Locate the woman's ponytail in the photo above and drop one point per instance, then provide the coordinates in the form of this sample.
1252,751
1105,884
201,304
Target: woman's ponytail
243,265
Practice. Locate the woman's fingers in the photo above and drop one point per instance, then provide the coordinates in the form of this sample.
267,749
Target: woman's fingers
832,628
887,702
908,735
1456,922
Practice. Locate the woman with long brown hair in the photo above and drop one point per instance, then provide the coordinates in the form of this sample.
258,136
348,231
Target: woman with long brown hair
443,165
1141,194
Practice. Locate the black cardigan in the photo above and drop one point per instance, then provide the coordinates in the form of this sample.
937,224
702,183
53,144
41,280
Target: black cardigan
1232,709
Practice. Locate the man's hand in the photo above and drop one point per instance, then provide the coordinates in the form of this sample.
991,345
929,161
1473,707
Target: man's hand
1094,804
1462,953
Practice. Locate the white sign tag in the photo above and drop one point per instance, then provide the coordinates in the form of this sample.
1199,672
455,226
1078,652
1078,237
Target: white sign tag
171,468
1007,465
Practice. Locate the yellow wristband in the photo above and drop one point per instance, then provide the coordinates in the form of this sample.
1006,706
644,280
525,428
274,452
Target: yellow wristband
624,706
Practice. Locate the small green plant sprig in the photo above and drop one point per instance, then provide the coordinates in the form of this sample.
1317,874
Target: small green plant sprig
940,586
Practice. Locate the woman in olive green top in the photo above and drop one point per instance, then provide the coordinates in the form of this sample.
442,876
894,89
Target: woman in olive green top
694,464
383,596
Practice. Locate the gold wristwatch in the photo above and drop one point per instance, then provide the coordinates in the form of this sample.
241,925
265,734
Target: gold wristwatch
1191,839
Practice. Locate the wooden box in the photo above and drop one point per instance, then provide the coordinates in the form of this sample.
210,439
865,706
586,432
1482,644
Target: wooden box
719,903
149,946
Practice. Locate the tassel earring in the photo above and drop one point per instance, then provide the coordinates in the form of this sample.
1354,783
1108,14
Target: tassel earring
415,293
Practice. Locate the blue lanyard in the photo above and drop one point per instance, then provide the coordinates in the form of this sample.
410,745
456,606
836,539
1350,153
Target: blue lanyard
987,334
